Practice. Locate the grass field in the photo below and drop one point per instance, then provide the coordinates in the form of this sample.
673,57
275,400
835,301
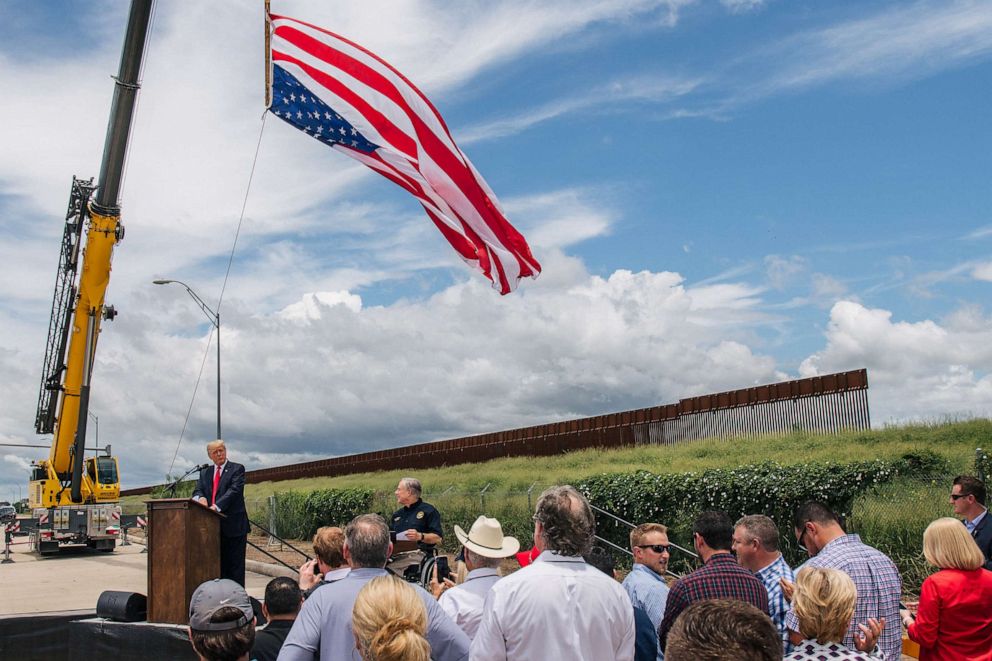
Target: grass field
955,441
891,517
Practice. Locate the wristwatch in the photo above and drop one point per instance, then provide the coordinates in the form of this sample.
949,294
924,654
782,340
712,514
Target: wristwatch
421,536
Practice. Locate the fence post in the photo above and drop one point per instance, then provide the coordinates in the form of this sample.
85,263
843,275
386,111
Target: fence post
530,507
982,465
272,524
482,495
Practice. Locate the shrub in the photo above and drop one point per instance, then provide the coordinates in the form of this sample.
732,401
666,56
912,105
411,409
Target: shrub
298,515
767,488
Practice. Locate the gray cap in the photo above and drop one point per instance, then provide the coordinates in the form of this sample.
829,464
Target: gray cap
211,597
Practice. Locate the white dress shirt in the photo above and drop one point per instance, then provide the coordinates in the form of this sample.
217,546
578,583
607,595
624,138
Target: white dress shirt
463,603
558,607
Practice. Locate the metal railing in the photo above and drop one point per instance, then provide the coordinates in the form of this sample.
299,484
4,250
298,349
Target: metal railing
632,526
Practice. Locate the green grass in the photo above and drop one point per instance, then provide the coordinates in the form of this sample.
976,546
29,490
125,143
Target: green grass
955,441
891,517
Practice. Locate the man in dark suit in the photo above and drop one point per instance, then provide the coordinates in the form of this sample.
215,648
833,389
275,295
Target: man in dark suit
968,499
221,487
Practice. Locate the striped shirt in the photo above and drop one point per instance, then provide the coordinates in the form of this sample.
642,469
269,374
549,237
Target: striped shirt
878,583
720,578
778,606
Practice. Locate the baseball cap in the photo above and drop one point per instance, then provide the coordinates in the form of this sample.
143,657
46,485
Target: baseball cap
211,597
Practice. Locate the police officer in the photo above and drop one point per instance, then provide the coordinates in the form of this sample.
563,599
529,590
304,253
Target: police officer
420,521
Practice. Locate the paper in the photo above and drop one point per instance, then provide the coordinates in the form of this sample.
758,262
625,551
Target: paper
401,536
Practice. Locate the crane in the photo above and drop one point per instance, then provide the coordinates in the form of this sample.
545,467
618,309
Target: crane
74,498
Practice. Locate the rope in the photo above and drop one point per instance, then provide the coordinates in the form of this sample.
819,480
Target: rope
220,299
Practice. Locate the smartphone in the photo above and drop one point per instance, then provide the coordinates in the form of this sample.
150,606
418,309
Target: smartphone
443,572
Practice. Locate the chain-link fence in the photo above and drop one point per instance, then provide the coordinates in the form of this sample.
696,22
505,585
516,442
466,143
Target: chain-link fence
890,517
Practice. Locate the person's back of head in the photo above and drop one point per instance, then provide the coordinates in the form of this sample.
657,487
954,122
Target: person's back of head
813,511
221,621
723,630
367,540
389,621
328,545
948,545
567,522
824,601
283,598
602,560
716,529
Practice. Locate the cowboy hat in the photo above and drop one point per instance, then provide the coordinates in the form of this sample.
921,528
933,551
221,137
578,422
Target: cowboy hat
486,538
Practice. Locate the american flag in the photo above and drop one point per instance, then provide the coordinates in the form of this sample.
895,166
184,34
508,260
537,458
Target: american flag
347,97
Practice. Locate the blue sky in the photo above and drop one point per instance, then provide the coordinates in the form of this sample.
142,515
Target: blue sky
721,194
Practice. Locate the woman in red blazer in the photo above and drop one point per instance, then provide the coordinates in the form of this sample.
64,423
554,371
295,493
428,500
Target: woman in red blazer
954,616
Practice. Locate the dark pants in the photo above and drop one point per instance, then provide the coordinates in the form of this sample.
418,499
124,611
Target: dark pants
232,558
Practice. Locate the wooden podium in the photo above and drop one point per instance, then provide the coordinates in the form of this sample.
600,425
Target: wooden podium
183,552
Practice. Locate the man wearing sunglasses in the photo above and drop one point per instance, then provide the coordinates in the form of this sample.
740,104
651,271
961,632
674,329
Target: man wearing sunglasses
968,499
645,584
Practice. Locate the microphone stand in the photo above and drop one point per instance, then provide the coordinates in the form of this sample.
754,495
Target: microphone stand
172,487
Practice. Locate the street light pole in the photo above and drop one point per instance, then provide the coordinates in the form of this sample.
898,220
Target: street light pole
214,318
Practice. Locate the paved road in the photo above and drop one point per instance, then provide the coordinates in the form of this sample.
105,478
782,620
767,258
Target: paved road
74,580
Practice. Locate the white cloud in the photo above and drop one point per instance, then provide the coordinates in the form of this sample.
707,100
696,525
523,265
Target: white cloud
916,370
782,272
330,374
907,42
742,6
982,271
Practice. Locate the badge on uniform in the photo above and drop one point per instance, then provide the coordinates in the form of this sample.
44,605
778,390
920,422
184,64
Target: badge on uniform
396,518
420,515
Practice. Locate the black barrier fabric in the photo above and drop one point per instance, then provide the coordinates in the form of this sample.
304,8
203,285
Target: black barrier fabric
77,635
104,639
39,636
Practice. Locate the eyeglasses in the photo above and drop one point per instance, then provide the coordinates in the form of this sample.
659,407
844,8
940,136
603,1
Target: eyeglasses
802,534
657,548
955,496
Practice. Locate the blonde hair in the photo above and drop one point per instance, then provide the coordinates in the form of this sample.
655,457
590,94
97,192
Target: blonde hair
824,603
638,534
213,445
390,622
948,545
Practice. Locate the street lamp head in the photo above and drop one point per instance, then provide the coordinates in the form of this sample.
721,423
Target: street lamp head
162,282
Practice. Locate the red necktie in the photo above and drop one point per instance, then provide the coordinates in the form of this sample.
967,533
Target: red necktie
213,498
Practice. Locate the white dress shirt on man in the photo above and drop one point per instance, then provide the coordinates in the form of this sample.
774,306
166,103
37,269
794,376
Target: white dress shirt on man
558,607
463,603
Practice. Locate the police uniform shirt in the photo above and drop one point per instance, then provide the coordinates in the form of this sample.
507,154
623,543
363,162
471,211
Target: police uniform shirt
422,517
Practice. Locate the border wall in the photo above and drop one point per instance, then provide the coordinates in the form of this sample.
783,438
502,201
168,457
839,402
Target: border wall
818,404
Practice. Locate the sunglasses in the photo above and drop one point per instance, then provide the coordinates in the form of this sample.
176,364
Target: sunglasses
955,496
657,548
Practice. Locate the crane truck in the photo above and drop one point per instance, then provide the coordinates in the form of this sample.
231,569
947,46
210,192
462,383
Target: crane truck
74,499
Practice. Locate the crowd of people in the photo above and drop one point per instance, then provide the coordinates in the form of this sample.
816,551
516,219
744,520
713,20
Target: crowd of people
743,602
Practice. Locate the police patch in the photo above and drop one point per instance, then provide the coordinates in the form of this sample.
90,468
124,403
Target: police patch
420,515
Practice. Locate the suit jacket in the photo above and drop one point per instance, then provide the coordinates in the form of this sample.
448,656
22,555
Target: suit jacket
983,535
230,497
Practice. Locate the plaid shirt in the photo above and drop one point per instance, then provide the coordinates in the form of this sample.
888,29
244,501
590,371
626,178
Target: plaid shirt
778,606
879,588
720,578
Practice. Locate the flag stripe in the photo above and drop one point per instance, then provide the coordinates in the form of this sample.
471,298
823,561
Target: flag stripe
401,136
491,224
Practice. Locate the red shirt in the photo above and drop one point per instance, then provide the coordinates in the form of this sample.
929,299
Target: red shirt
954,620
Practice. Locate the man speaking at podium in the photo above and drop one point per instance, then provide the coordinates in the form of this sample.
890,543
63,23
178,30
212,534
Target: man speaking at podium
221,487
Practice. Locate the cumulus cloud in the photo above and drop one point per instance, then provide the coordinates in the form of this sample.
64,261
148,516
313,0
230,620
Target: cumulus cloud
329,374
920,369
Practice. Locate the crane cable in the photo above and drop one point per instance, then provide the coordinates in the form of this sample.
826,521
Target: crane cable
220,299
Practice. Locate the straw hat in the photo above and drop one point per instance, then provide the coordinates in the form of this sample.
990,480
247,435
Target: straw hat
486,538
